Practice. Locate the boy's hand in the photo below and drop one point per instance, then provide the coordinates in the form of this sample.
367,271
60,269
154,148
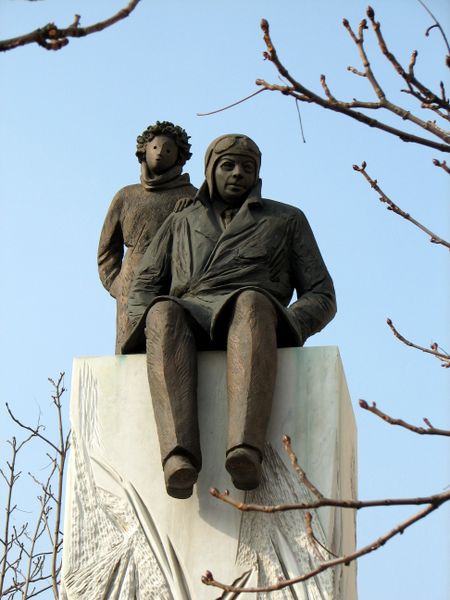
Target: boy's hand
183,203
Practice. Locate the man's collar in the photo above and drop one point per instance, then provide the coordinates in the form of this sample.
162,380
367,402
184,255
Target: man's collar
254,196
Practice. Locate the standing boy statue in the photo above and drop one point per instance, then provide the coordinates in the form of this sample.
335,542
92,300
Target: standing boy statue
220,275
137,212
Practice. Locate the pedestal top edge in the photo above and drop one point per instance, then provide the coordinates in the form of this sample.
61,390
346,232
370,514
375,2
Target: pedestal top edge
329,350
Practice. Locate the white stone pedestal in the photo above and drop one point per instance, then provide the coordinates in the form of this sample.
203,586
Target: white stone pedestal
126,539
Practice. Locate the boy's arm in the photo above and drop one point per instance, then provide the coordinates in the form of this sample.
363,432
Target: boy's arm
111,245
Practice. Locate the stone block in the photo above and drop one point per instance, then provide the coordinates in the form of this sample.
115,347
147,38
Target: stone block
126,539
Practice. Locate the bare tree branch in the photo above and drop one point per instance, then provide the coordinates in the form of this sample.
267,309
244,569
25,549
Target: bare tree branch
425,94
323,501
35,431
330,502
433,350
6,535
208,578
23,566
435,239
429,430
63,446
359,41
52,37
35,536
10,539
302,93
433,502
430,106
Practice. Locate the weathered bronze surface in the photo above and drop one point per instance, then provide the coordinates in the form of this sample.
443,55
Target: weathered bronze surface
220,275
137,212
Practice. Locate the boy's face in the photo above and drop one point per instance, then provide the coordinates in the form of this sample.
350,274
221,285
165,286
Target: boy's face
161,154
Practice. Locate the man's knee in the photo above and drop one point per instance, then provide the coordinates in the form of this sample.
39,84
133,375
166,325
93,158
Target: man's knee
162,314
254,304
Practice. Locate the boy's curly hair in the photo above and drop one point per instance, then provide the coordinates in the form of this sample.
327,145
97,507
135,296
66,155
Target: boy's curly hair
177,133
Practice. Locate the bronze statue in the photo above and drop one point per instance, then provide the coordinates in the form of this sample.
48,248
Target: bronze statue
220,275
137,212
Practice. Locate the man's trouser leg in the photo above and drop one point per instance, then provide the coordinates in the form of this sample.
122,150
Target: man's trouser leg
251,369
172,375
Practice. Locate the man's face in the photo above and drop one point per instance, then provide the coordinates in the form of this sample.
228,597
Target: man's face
234,177
161,154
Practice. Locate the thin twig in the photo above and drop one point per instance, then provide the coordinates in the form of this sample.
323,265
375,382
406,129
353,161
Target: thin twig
429,430
44,486
433,350
52,37
297,468
213,112
432,107
310,536
9,540
435,239
359,41
355,71
300,121
326,89
59,390
437,24
36,535
6,536
313,539
442,164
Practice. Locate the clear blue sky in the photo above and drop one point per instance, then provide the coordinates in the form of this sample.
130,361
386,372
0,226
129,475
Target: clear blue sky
69,121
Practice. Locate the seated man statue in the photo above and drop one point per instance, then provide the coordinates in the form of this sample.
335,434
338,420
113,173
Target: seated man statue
220,275
137,212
